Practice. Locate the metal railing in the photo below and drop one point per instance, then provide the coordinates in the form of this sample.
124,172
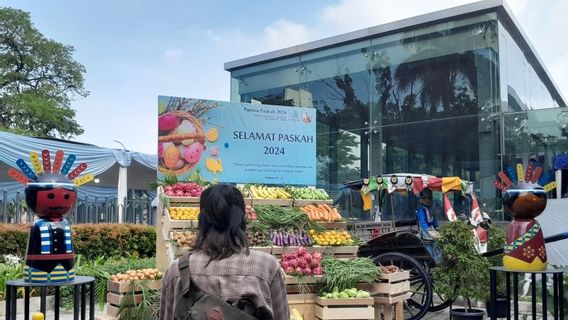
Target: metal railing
136,209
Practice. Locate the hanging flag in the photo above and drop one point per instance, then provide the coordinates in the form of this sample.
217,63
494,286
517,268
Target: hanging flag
475,216
450,213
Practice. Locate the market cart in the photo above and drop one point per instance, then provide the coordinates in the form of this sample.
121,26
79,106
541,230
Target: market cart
396,240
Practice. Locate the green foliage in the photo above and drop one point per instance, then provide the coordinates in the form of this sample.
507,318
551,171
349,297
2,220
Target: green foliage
7,273
38,80
497,241
147,309
90,240
462,271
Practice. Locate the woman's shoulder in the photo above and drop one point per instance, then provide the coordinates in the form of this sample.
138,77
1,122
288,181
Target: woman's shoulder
264,259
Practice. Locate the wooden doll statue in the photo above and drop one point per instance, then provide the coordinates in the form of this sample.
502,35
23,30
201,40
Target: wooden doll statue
524,199
50,193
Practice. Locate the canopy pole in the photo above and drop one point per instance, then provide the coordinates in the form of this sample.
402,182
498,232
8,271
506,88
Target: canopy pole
122,193
558,184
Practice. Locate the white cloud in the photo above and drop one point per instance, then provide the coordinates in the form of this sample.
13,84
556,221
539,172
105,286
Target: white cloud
285,33
172,55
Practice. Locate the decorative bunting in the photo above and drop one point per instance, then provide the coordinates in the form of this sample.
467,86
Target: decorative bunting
58,161
84,179
46,160
505,179
549,186
520,171
35,163
26,169
18,176
512,175
450,213
499,185
68,164
529,172
77,171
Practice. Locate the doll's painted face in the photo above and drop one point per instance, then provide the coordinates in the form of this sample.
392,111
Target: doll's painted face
55,202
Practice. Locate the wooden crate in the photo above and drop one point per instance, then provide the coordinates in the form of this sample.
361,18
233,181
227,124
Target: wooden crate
125,287
176,251
170,224
306,202
274,202
304,303
302,280
105,317
117,292
344,309
339,225
183,199
390,294
339,252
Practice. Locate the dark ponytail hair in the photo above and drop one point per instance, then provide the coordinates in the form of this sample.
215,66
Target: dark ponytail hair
222,222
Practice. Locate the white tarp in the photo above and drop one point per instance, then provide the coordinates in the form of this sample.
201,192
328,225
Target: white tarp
554,220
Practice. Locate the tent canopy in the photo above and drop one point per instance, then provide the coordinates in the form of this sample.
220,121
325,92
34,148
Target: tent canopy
103,163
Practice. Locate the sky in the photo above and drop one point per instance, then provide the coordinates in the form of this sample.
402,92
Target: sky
135,50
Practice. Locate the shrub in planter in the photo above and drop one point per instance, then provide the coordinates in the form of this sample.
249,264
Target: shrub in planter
90,240
462,271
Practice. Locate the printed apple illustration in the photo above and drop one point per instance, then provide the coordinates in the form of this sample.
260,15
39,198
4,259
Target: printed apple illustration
167,122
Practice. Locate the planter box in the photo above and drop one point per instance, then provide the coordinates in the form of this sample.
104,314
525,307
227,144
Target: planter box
304,303
344,309
117,292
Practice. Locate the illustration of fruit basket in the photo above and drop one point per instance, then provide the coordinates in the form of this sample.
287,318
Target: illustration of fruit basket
181,142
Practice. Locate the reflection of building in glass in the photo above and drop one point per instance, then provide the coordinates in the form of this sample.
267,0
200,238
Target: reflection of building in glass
458,92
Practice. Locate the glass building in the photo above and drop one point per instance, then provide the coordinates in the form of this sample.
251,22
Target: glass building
459,92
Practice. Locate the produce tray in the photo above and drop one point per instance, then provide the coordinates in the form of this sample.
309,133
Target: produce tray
279,250
305,202
125,287
171,224
248,201
302,280
183,199
339,225
274,202
394,277
344,309
339,250
304,303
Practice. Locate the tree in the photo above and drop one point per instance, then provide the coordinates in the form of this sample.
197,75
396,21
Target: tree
38,80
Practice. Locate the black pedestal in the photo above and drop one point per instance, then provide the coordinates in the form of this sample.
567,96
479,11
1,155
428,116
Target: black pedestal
79,298
557,297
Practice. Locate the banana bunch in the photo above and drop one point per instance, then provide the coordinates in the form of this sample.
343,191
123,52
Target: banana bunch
308,194
263,192
295,315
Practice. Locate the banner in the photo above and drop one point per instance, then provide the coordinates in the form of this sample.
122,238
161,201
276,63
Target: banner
236,142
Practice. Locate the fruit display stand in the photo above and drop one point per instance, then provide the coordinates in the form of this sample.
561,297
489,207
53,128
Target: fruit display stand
305,202
344,309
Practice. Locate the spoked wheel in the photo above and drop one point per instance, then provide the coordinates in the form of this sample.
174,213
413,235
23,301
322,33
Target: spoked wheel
439,302
420,287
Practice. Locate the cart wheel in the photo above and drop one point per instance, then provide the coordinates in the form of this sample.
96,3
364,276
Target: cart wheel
420,287
439,302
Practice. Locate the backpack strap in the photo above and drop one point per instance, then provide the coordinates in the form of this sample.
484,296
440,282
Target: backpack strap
184,274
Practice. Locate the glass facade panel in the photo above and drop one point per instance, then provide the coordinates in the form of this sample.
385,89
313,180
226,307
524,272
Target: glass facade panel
430,100
522,88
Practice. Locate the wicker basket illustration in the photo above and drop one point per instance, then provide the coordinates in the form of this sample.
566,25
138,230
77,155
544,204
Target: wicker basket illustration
198,135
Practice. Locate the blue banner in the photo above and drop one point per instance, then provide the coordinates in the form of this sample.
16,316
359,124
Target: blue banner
236,142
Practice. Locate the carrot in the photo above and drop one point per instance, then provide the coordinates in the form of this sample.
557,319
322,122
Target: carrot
337,215
327,207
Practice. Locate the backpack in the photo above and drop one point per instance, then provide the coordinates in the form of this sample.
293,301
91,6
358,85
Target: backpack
194,304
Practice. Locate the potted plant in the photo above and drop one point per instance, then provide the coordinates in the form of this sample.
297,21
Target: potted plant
496,241
462,271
